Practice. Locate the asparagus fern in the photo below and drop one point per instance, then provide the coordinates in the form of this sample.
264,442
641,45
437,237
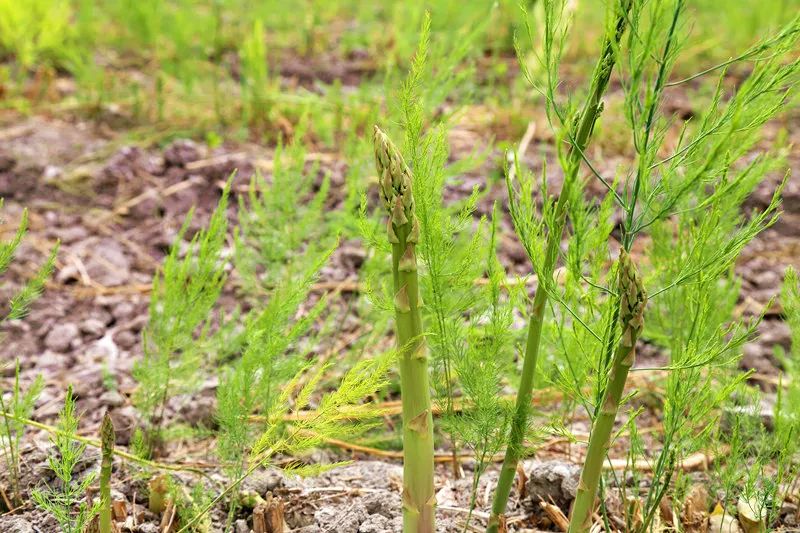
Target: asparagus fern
544,256
66,501
184,294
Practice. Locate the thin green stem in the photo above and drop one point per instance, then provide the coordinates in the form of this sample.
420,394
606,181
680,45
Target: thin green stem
97,444
10,456
579,139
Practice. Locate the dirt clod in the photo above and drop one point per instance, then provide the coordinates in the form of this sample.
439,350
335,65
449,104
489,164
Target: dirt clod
61,337
552,481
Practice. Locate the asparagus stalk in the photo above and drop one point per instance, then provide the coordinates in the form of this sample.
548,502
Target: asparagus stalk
631,310
107,439
579,139
403,233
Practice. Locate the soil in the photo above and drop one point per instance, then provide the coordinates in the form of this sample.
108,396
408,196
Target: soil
116,209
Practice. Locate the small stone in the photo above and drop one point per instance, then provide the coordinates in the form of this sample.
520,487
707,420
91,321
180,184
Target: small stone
102,350
93,327
790,515
112,398
123,310
264,481
382,503
333,519
148,527
60,338
200,412
767,279
181,152
555,481
86,380
6,162
108,264
775,333
15,524
242,527
376,523
72,234
52,173
126,339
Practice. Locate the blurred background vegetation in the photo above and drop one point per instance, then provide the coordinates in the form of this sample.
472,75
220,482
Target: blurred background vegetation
217,68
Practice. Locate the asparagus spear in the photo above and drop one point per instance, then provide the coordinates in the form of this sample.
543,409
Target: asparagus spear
403,232
631,310
579,138
107,439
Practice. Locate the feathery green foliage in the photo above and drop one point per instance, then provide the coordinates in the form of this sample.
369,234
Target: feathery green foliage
483,422
541,235
446,248
255,78
34,30
184,295
20,404
271,356
19,407
705,202
20,303
281,219
66,501
342,413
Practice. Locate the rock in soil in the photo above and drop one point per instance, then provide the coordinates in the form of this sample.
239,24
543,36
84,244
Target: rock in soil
16,524
552,481
61,336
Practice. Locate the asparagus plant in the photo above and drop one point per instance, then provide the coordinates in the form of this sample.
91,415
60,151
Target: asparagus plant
544,264
693,196
107,438
632,301
402,229
66,501
21,403
184,295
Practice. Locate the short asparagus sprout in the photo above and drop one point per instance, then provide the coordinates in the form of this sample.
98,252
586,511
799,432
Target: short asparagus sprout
632,301
107,438
403,233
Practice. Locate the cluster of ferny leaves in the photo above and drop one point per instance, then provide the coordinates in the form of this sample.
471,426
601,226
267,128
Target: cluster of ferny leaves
763,468
66,500
281,217
184,295
434,248
266,356
20,404
689,203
